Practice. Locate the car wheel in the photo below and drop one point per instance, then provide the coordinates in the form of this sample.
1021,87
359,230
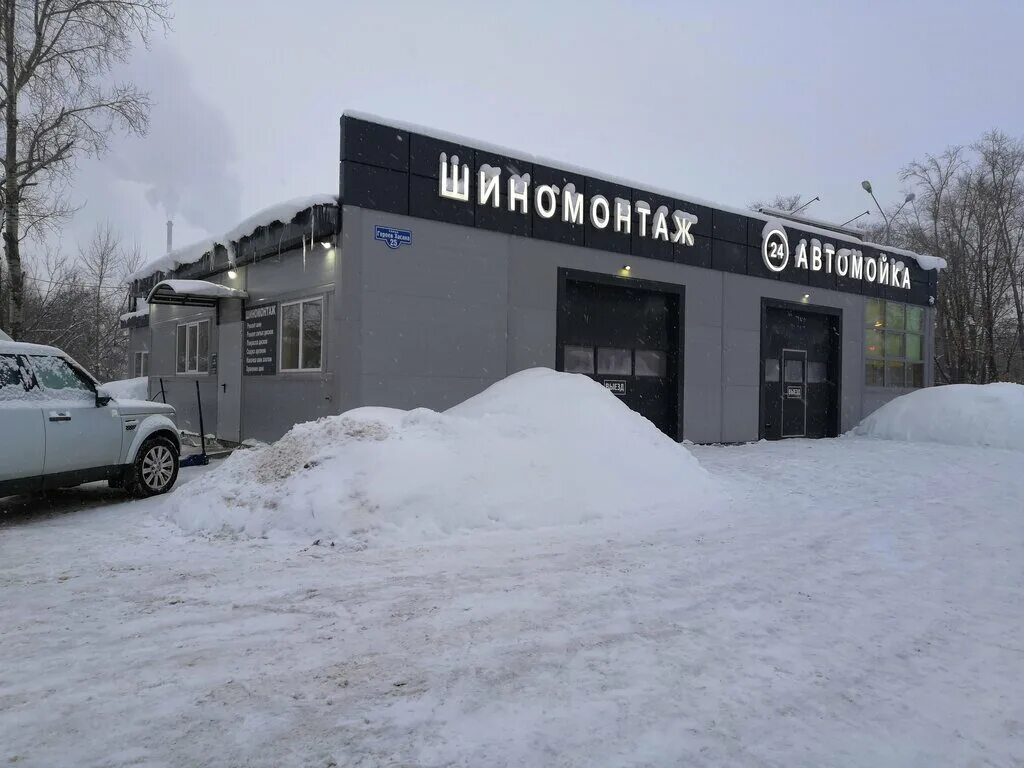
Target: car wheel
155,468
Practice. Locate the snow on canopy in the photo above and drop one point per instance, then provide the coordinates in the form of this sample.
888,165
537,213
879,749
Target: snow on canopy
924,261
956,414
195,288
4,336
538,448
281,212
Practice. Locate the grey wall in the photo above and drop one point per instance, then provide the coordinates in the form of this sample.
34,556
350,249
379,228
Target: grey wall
138,341
434,322
180,389
272,404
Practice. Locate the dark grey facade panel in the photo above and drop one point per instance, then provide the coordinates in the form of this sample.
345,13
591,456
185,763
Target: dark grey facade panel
396,171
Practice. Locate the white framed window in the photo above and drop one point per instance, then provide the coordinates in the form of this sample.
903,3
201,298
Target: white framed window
192,350
302,334
140,364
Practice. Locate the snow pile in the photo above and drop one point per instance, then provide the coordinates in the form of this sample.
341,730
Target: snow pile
957,414
536,449
128,389
190,254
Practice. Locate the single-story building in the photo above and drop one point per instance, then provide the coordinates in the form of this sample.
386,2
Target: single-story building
444,264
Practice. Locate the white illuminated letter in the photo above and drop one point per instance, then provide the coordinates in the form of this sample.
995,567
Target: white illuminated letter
545,200
682,223
518,192
600,214
906,279
660,230
450,185
815,256
856,265
843,262
623,216
643,212
572,205
801,255
894,275
830,251
883,270
488,186
870,269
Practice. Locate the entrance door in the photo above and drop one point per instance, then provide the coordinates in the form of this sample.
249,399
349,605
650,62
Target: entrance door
229,370
794,393
627,338
800,373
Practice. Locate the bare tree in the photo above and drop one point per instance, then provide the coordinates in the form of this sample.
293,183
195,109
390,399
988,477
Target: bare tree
55,56
779,203
961,214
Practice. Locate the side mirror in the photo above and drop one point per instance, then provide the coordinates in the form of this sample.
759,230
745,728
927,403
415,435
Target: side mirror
102,398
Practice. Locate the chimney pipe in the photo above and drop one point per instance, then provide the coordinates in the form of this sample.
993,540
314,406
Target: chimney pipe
170,235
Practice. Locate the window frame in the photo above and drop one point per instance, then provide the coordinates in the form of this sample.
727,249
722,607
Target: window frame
884,330
196,371
143,356
280,332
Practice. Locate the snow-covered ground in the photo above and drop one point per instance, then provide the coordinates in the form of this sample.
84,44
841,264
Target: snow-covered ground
852,602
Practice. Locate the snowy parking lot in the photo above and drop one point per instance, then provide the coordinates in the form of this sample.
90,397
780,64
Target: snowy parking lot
851,602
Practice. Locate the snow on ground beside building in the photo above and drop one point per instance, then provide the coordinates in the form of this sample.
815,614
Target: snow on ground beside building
956,414
852,603
128,389
538,448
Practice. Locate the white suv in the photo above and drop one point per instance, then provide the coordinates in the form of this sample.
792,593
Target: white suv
58,428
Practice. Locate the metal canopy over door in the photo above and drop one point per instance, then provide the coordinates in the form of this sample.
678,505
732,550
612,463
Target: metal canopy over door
625,334
229,370
799,371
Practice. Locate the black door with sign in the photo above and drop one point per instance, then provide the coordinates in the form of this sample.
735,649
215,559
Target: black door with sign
799,373
626,336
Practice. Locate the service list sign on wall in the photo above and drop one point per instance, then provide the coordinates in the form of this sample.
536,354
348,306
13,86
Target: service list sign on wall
260,357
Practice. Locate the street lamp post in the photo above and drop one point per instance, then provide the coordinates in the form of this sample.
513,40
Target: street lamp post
888,221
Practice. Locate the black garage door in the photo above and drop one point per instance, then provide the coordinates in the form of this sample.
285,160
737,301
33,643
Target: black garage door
799,372
625,335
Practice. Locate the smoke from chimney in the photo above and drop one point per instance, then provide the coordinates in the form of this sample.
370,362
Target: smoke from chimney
170,235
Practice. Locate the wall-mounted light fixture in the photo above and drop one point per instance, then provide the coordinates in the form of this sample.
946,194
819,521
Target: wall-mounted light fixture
232,274
326,243
806,298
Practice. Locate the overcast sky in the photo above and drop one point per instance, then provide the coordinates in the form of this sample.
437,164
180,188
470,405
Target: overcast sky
729,101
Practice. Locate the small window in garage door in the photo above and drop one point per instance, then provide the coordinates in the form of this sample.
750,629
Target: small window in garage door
612,361
650,362
578,359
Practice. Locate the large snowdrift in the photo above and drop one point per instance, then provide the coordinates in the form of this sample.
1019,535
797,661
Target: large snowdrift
957,414
538,448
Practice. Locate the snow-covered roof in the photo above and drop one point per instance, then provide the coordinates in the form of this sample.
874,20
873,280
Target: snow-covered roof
4,336
168,289
281,212
924,261
141,310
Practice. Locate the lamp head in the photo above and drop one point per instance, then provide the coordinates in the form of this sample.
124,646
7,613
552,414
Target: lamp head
867,186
